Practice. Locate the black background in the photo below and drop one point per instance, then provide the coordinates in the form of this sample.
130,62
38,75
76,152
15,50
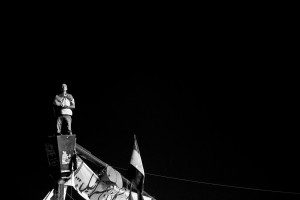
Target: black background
211,100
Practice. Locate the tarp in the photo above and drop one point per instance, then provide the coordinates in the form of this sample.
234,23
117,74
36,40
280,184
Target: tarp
92,187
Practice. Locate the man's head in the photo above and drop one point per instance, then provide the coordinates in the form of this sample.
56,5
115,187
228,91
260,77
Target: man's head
64,87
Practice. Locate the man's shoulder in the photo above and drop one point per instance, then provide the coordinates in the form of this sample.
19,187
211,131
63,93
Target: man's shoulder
59,95
69,96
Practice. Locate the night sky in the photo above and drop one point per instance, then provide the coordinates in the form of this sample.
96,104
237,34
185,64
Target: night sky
205,107
199,125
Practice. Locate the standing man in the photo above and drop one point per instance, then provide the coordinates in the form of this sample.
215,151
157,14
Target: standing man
65,104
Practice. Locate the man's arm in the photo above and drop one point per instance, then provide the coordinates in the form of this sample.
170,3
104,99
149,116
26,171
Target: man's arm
72,102
56,101
72,105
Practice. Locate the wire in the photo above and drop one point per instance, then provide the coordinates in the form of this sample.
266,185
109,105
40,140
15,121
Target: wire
70,196
219,185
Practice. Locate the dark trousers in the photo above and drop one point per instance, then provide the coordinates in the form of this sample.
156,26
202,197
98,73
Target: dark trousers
62,120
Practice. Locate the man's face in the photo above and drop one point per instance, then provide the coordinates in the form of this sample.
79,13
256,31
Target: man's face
64,87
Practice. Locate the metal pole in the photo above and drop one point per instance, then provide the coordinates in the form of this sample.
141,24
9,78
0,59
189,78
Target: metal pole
87,155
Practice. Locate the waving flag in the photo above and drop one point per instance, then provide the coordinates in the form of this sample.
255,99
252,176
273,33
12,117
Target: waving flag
135,173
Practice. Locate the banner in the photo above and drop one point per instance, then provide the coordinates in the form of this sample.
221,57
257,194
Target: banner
92,187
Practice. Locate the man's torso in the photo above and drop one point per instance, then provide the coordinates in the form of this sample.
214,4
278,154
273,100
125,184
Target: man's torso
66,100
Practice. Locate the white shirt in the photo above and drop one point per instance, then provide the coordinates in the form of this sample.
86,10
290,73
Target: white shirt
66,102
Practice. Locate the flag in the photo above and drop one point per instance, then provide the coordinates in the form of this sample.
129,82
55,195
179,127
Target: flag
91,186
135,173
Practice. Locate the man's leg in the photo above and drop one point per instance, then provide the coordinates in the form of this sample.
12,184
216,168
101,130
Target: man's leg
69,123
58,124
